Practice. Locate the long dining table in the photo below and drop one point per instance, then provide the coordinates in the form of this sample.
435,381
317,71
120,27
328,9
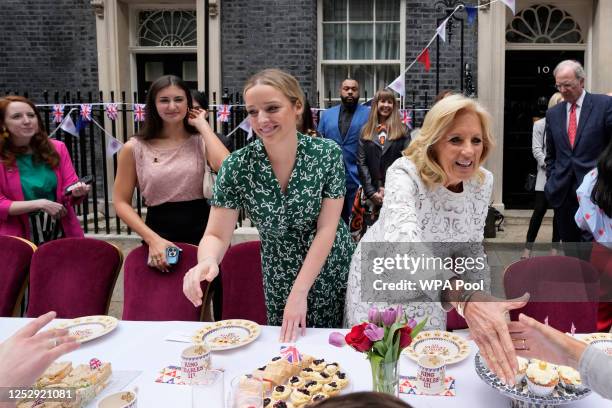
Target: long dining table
144,347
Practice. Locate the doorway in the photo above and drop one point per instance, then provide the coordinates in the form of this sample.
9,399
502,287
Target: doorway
529,85
149,67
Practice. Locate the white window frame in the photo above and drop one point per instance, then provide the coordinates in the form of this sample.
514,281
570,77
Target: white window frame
321,63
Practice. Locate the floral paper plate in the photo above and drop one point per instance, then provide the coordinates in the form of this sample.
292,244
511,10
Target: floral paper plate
452,347
89,327
227,334
602,341
520,393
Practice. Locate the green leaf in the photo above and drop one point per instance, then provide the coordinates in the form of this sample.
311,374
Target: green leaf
417,329
380,348
392,330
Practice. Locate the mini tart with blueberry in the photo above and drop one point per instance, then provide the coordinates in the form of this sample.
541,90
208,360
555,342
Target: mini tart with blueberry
318,365
300,397
331,368
296,382
331,389
340,379
322,377
281,392
312,386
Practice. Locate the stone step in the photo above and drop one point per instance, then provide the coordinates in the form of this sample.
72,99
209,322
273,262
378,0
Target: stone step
522,217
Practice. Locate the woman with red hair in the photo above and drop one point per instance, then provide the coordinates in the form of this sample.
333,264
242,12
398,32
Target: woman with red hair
34,174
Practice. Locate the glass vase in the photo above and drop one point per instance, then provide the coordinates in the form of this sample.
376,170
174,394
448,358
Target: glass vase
385,377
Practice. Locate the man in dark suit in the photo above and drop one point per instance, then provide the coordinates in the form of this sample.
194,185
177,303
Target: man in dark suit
343,124
577,131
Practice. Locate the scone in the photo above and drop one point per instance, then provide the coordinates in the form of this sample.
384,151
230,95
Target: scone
318,397
281,392
312,386
282,404
307,373
331,368
542,378
340,379
300,397
322,377
296,382
331,389
318,365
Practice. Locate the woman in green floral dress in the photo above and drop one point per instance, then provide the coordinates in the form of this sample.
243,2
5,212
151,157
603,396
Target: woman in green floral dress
292,187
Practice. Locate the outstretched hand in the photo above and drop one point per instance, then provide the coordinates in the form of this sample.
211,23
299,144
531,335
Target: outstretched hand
486,318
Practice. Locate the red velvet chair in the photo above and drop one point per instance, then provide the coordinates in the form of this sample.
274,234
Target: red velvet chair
73,276
16,254
153,295
601,259
241,279
564,289
454,321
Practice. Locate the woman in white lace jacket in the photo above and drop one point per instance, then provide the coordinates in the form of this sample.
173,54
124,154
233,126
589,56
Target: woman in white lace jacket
436,202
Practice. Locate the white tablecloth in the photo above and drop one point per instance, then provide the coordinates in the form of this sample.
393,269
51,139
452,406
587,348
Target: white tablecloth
141,346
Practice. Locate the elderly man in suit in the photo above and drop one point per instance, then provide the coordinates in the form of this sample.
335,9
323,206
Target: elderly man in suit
342,124
577,131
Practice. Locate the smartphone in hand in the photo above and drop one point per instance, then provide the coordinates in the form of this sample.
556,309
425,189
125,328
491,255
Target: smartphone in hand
86,180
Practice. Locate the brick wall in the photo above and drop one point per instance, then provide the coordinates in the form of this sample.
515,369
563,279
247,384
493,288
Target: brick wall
269,34
47,45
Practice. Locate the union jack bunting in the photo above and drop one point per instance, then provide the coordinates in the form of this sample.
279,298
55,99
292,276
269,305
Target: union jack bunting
291,353
313,112
58,113
223,113
86,112
111,111
139,112
406,117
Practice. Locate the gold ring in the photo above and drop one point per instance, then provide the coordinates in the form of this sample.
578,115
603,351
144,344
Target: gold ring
53,342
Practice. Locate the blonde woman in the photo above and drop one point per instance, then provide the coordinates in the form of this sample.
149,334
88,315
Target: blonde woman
436,194
382,140
292,186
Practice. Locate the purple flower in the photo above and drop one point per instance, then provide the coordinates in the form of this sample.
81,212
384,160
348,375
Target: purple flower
374,315
374,332
400,313
389,316
336,339
412,323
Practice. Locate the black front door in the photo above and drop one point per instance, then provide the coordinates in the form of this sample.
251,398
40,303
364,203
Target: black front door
149,67
529,85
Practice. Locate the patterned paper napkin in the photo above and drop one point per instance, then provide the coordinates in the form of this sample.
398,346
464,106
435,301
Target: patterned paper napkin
173,375
407,385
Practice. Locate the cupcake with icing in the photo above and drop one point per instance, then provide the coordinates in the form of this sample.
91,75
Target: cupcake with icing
542,378
570,378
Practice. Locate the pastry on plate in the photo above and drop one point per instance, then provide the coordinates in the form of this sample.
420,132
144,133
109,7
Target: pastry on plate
542,378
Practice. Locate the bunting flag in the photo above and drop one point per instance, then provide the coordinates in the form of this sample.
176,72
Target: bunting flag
223,113
86,112
58,113
546,320
423,58
246,126
573,329
68,126
315,118
472,12
111,111
511,5
113,146
139,112
406,116
398,85
441,30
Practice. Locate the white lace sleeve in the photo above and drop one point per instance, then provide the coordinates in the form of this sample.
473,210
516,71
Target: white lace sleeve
402,199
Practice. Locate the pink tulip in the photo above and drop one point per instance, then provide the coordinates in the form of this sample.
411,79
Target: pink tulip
412,323
389,316
400,313
374,332
374,315
336,339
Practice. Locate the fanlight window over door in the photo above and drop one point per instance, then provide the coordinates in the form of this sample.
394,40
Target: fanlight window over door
544,24
167,28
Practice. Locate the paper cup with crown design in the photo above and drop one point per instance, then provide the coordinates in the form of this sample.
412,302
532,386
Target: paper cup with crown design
195,360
